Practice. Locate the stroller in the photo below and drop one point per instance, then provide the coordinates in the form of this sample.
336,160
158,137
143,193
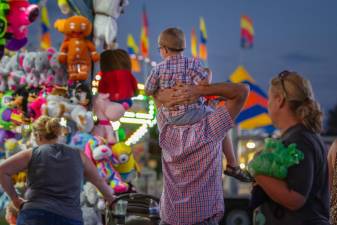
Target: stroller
131,209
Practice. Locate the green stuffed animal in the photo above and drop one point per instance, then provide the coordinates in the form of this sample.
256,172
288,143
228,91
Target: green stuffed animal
4,7
275,159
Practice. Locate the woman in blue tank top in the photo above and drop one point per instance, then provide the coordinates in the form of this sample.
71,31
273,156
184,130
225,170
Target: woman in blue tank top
55,175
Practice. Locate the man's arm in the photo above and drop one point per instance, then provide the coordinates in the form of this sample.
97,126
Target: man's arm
235,94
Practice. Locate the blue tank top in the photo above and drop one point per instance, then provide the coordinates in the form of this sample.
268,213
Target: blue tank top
55,176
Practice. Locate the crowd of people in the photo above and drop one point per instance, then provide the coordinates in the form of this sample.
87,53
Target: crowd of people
193,137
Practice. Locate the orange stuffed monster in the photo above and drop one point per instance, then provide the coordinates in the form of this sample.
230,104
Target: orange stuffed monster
76,51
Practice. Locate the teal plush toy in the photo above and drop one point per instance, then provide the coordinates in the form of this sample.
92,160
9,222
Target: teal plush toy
275,159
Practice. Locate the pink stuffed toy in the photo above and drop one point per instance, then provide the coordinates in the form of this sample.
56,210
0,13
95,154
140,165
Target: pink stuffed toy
106,111
101,155
20,16
35,107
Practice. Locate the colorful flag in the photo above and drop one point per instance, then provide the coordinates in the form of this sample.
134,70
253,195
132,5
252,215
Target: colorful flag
194,44
247,32
203,40
254,114
144,37
133,51
45,25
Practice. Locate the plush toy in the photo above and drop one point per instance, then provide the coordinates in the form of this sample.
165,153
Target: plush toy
20,16
106,111
116,77
4,7
89,205
11,214
3,63
81,94
57,69
14,64
127,165
80,98
275,159
19,181
6,98
56,102
15,79
101,154
76,51
35,107
3,85
83,118
11,147
105,24
80,139
42,67
64,6
20,101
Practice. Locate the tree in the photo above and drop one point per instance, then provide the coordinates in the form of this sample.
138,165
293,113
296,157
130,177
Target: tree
332,122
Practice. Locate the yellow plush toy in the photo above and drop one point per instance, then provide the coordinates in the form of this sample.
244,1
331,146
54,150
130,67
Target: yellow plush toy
127,165
76,51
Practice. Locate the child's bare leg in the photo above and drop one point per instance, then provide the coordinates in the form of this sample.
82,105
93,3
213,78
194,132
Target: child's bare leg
228,150
232,168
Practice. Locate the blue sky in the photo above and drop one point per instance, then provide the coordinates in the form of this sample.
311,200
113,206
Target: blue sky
298,35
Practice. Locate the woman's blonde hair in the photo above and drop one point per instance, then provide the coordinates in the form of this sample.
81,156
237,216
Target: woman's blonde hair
299,95
47,127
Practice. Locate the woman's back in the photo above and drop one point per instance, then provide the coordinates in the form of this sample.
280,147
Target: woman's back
55,175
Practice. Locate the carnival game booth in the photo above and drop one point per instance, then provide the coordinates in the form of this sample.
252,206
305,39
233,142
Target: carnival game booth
61,83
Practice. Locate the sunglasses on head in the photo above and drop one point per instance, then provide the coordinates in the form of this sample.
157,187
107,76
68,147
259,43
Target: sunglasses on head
282,76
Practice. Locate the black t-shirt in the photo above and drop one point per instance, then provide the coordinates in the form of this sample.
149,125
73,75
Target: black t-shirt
309,178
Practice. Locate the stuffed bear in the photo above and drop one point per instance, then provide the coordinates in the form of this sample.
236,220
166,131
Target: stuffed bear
105,24
19,17
76,51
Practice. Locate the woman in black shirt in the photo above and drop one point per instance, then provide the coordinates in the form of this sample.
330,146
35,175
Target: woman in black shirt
302,198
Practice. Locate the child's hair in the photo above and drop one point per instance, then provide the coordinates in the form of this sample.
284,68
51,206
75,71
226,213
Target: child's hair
172,38
117,59
47,127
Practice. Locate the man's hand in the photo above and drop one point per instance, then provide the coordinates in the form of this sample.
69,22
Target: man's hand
178,95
